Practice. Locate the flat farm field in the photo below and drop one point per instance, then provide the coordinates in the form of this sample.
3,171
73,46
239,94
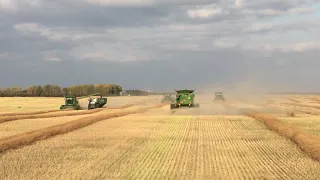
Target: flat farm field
134,139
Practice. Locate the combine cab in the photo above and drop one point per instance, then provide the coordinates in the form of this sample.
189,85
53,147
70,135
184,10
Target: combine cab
167,98
71,102
219,96
97,102
184,98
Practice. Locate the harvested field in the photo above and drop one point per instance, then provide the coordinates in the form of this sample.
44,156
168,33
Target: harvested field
24,125
215,141
36,104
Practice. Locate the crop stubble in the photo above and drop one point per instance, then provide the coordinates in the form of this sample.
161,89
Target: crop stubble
160,147
220,147
40,134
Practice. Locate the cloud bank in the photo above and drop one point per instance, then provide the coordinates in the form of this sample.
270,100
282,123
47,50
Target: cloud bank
160,44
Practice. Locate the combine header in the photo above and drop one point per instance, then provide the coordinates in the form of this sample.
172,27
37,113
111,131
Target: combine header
184,98
70,102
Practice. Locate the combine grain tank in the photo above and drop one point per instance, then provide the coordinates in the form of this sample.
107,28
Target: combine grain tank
184,98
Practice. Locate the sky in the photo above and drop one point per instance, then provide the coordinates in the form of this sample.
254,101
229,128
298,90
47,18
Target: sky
161,44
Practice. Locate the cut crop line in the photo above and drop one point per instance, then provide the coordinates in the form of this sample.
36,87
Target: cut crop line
308,143
44,133
302,105
32,113
72,113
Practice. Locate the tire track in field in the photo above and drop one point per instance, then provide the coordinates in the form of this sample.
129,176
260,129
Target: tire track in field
44,133
62,114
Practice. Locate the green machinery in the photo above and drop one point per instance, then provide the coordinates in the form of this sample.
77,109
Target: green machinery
184,98
167,98
97,102
219,96
71,102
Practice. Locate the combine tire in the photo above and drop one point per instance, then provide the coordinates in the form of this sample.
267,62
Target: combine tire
173,106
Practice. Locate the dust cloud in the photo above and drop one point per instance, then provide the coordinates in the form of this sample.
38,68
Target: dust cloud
240,98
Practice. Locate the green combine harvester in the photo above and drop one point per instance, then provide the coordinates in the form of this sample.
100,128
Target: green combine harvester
167,98
184,98
218,96
97,102
70,102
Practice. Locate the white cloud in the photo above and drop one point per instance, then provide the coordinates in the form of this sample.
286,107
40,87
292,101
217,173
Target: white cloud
294,47
274,12
239,3
17,4
58,34
203,12
35,28
118,52
248,43
55,59
258,27
7,4
120,2
225,43
186,47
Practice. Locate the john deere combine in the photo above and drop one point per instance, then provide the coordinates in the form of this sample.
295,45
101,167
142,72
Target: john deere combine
167,98
97,102
184,98
71,102
219,96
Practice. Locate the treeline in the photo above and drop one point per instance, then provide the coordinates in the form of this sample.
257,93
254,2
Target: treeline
57,91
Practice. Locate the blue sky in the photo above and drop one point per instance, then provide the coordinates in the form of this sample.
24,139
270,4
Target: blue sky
161,45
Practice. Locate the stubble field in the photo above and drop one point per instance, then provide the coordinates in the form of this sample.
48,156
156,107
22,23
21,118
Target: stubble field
126,141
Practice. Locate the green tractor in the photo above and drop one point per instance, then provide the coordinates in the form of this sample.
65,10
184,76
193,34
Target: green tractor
97,102
71,102
184,98
219,96
167,98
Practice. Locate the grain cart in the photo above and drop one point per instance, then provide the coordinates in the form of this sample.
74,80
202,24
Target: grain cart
97,102
219,96
184,98
167,98
71,102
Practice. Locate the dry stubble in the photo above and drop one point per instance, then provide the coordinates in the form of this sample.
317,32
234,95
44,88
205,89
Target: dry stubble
159,147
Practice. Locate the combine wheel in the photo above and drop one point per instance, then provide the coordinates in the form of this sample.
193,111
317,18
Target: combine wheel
172,106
